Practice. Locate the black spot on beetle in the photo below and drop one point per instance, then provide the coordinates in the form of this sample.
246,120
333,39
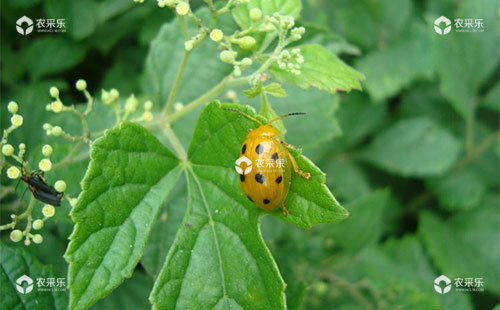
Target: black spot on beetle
250,198
259,149
275,156
243,149
260,178
279,179
242,177
266,201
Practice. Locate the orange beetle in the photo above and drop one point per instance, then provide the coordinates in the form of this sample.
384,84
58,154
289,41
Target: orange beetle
266,179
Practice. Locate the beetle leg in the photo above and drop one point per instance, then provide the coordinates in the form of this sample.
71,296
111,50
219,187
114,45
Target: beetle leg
284,209
302,173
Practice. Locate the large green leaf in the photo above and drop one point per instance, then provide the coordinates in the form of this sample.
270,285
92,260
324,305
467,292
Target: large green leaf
268,7
413,147
465,60
53,54
129,177
466,245
16,262
323,70
393,68
492,99
219,250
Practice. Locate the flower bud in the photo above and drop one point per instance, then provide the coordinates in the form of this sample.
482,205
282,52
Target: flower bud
54,92
47,150
60,186
7,150
37,239
45,164
147,115
255,14
188,45
227,57
48,211
81,85
56,131
37,224
247,42
246,61
178,106
131,104
13,173
16,235
216,35
16,120
148,105
182,8
12,107
56,106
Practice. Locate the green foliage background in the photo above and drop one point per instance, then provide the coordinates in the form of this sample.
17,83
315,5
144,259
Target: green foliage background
414,157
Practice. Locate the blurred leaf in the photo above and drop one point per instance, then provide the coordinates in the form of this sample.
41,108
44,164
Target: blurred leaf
492,99
462,189
220,231
465,60
413,147
48,55
16,262
129,176
364,227
467,244
321,35
321,69
369,23
132,294
275,89
347,179
358,118
81,17
164,229
285,7
408,277
268,113
395,67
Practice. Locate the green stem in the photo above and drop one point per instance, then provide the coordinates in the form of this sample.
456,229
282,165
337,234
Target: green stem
177,81
212,93
174,140
67,160
17,218
478,150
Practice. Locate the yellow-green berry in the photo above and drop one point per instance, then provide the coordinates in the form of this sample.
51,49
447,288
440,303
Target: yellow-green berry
8,150
147,115
47,150
60,186
37,239
81,85
255,14
182,8
56,131
48,210
12,107
148,105
16,235
247,42
45,164
56,106
37,224
54,92
13,172
16,120
216,35
227,56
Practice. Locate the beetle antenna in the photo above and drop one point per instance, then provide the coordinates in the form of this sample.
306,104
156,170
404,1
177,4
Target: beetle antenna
285,116
15,189
24,193
244,114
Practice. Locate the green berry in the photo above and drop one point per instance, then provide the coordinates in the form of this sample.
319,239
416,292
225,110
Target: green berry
13,107
60,186
37,239
56,131
246,61
81,85
8,150
47,150
255,14
54,92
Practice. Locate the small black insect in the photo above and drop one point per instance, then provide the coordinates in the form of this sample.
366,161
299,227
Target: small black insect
40,189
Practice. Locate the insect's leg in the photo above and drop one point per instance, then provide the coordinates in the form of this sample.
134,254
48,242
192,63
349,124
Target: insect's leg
302,173
284,209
